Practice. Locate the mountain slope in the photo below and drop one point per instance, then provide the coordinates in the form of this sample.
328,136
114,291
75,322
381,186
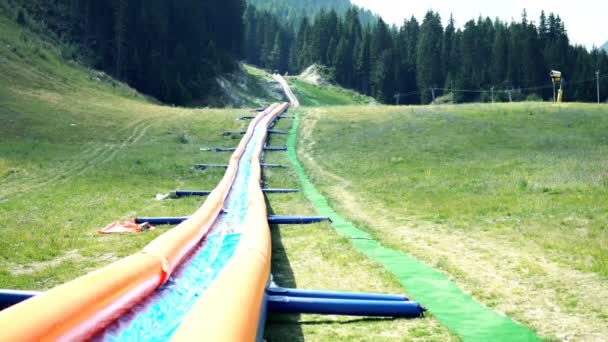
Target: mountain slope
184,46
605,46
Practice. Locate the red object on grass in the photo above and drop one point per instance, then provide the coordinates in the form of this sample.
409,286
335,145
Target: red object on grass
126,227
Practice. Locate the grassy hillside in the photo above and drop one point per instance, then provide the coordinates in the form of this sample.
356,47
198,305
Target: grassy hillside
508,200
80,150
311,95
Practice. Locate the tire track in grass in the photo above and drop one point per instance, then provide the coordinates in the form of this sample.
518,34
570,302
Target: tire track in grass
90,157
455,309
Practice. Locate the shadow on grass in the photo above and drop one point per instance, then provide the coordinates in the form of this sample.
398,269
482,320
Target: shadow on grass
332,321
281,327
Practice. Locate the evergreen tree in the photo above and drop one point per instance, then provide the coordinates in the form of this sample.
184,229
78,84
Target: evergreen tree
428,57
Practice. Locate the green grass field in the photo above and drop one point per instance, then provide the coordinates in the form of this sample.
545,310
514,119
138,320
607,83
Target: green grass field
507,200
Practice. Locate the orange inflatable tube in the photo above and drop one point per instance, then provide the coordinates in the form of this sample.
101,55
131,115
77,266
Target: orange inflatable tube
81,308
243,280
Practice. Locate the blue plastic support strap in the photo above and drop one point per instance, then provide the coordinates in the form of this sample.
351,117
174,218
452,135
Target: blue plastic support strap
9,298
327,306
281,291
271,220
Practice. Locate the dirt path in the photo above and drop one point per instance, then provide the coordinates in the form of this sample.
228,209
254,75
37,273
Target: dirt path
554,300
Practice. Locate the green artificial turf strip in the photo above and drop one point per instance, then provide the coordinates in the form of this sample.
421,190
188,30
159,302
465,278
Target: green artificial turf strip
452,307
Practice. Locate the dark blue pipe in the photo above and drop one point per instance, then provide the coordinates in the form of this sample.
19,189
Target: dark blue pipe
271,131
223,166
159,221
297,219
325,306
275,148
228,133
281,291
9,298
253,117
262,322
222,149
280,191
208,166
232,149
191,193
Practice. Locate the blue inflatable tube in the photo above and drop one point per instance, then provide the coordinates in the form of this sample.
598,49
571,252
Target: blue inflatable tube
192,193
297,219
326,306
159,221
281,291
9,298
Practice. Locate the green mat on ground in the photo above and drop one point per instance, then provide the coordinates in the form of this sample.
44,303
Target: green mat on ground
462,315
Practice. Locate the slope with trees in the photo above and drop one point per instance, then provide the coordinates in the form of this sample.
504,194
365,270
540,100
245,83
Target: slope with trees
483,60
171,50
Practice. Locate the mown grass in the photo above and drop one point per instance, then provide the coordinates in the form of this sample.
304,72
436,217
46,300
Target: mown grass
537,169
79,150
522,188
316,257
313,95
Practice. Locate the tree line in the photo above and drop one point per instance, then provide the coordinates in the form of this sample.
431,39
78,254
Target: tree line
417,60
171,50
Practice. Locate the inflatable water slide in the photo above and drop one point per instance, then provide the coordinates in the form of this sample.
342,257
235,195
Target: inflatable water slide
206,279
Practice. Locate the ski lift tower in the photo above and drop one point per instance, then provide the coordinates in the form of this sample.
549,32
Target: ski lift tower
556,77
